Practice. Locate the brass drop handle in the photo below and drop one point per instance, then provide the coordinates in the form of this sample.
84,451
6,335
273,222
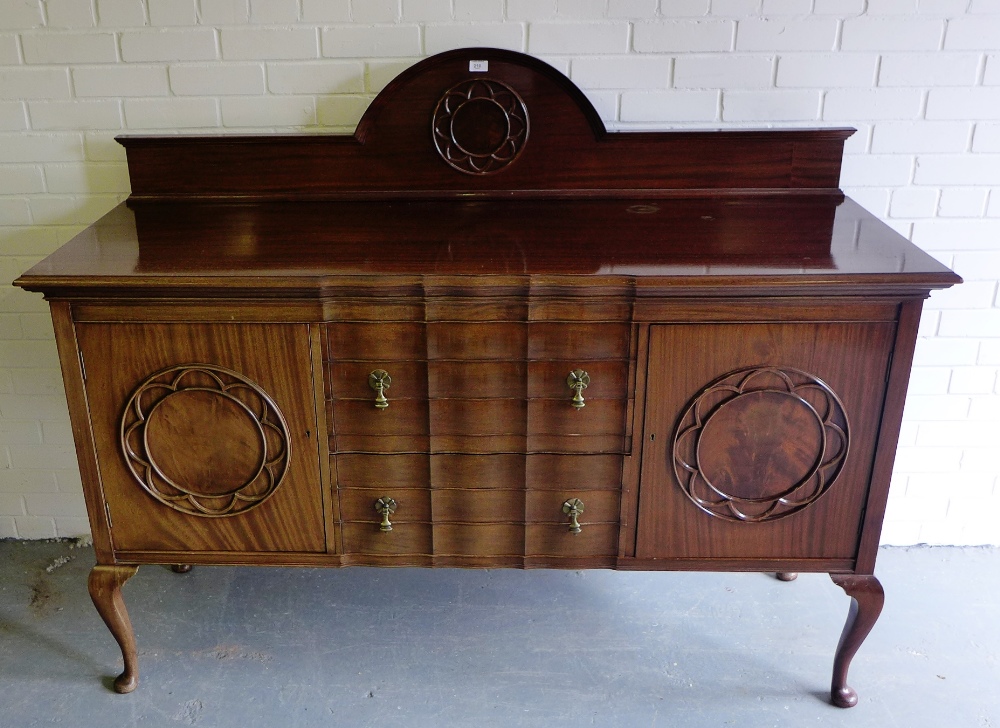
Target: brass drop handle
385,506
573,508
379,380
578,381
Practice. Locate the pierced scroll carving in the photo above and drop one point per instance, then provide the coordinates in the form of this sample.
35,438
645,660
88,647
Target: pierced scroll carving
759,444
205,440
480,126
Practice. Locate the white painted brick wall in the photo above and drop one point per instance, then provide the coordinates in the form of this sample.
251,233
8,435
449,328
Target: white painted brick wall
729,71
932,69
371,42
242,44
439,38
920,79
578,38
679,36
198,44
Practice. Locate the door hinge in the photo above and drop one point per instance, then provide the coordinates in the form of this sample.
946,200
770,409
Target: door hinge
107,511
83,367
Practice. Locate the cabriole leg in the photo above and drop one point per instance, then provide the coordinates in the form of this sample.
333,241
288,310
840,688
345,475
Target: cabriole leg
105,585
867,599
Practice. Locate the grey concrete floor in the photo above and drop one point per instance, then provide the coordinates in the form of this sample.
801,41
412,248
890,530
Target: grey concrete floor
408,647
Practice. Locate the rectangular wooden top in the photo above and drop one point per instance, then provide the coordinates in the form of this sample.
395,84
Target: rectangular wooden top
652,246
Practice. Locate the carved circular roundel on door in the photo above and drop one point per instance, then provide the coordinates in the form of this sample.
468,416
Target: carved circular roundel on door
760,444
480,126
205,440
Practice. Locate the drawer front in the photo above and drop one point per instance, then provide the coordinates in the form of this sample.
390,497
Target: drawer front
478,471
547,379
599,539
349,379
439,505
489,341
584,341
388,471
380,444
487,539
546,506
477,379
478,416
387,341
404,538
567,473
401,417
558,417
509,471
358,504
478,506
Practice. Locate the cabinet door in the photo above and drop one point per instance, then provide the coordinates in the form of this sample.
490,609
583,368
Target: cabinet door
759,439
206,435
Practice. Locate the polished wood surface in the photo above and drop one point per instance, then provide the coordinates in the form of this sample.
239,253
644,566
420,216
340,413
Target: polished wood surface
483,332
566,150
852,358
118,358
344,250
867,598
105,586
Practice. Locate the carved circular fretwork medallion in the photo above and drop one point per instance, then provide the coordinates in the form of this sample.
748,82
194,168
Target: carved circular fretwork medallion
205,440
760,444
480,126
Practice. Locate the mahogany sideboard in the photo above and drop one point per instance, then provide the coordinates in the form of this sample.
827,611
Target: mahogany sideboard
484,332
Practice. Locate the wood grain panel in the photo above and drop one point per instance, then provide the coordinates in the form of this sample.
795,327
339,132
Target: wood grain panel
480,444
478,471
276,357
388,471
480,539
586,308
545,506
389,341
380,444
412,504
349,380
361,417
851,358
358,310
567,472
581,444
478,505
477,379
560,417
471,417
405,538
490,341
547,379
596,539
584,341
71,364
476,309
